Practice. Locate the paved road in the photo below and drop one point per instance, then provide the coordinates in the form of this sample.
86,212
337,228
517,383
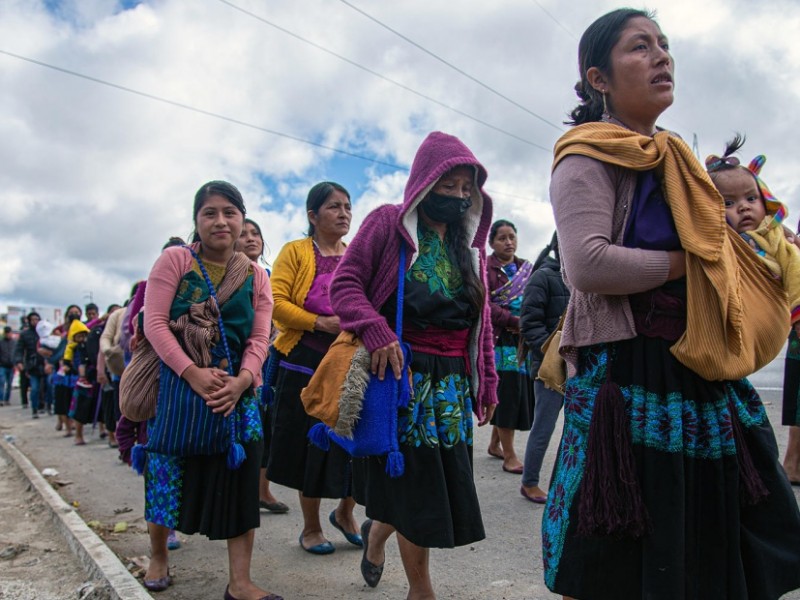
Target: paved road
505,566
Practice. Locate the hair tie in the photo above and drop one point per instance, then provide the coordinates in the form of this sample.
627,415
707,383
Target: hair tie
715,163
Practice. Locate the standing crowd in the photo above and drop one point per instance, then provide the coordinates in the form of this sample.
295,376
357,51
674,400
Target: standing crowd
667,482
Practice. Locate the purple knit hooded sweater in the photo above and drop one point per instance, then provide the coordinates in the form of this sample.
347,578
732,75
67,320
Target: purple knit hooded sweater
367,273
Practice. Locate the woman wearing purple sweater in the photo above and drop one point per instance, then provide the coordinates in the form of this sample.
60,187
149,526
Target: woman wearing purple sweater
443,223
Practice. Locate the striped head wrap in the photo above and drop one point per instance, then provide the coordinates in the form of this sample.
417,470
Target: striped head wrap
774,206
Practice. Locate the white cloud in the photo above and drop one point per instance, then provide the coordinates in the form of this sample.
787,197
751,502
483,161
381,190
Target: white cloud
95,179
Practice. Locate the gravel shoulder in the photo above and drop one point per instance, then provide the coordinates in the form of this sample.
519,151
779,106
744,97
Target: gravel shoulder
35,561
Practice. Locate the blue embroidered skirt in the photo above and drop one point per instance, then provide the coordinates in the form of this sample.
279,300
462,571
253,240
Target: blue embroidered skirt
434,503
704,542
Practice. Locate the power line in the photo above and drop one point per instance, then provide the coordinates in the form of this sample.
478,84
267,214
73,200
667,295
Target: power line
221,117
573,36
557,22
200,110
383,77
452,66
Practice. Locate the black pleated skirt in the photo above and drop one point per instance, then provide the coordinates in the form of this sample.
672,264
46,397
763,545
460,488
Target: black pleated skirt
293,461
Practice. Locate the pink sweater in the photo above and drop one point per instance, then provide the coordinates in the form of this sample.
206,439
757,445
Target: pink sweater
162,285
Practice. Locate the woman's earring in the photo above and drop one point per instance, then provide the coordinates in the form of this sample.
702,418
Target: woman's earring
605,106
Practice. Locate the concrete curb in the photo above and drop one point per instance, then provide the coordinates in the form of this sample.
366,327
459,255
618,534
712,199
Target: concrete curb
97,558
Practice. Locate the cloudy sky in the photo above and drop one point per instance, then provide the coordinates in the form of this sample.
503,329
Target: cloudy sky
113,113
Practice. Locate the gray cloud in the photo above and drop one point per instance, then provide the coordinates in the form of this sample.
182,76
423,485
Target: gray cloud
95,179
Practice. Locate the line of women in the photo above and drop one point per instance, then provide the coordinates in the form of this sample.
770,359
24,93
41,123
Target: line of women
667,484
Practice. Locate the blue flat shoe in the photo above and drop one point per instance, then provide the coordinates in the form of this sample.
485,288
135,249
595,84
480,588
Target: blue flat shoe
353,538
323,548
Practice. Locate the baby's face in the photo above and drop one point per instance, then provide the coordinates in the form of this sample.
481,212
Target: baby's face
79,338
744,208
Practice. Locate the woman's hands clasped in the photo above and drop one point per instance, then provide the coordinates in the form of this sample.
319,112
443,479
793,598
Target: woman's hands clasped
220,390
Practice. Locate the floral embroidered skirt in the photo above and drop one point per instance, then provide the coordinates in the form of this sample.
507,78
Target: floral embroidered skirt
199,494
514,386
293,460
705,540
434,503
791,383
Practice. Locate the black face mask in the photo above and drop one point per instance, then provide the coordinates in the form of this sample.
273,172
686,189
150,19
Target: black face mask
444,209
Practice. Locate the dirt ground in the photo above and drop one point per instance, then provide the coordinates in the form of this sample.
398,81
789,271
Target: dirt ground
35,561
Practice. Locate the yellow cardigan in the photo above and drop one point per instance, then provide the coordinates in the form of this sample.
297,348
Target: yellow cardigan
292,275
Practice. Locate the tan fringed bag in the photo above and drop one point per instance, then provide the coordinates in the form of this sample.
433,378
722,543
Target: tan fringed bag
553,370
336,390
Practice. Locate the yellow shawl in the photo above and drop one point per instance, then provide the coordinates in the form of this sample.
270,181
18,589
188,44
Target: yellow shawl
731,297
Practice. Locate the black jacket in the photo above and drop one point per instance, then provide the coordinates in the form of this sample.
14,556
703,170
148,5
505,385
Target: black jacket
545,299
26,353
6,352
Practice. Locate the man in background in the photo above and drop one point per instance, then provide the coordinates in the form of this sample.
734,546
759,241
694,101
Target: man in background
6,366
30,362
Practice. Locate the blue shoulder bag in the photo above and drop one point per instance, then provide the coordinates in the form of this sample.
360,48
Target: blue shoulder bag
375,433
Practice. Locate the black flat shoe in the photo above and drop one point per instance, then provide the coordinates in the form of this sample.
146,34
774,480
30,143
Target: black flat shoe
370,572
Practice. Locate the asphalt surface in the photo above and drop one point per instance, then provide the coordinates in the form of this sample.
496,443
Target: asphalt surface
505,566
